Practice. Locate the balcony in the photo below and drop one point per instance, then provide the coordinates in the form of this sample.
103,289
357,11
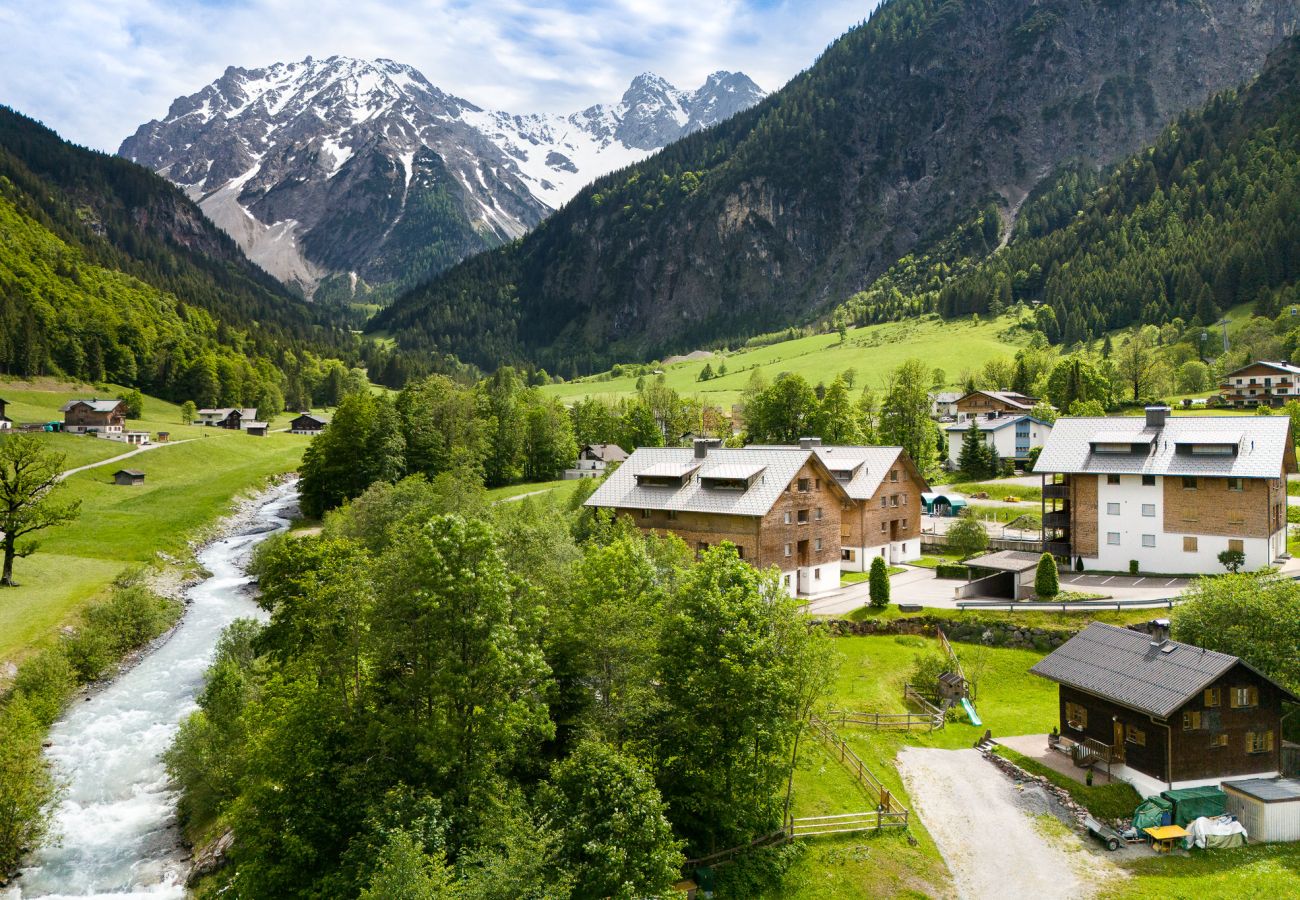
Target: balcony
1056,492
1056,520
1057,548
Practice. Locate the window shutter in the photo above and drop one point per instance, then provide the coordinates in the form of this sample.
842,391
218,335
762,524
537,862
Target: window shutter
1254,695
1250,742
1268,741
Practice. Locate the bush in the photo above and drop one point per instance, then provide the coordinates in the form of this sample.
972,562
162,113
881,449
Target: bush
46,681
1078,564
926,669
130,618
951,570
1047,582
27,789
878,583
1132,566
967,536
1232,560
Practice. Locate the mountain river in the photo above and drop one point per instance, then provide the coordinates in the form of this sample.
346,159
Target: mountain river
115,833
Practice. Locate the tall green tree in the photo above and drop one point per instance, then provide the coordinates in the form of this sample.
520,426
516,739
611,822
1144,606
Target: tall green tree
362,444
973,459
549,447
838,419
781,413
617,840
1253,616
905,414
731,654
30,496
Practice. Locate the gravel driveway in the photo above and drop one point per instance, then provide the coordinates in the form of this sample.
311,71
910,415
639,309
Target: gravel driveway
986,829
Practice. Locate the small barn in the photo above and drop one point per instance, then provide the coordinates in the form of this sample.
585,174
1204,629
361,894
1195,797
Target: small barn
1269,808
5,422
943,505
128,477
256,429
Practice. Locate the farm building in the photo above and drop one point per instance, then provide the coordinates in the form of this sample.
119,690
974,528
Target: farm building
256,429
98,416
129,477
226,417
307,423
1162,714
5,422
1268,807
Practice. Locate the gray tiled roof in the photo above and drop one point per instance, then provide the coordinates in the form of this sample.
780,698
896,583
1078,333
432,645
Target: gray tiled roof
1262,449
780,466
1125,667
875,465
103,406
606,452
1270,790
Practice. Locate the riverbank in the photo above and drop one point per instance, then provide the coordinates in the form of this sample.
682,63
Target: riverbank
114,827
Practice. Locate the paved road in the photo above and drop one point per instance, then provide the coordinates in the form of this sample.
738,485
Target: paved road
992,834
919,585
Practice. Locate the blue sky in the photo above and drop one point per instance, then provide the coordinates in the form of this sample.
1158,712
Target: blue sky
96,69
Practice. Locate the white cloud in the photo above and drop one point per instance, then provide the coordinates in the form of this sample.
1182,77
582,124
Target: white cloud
96,69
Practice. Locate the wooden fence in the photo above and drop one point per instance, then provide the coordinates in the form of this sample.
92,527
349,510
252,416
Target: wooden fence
892,814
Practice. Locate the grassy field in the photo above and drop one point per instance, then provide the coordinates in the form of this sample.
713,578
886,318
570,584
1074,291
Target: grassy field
187,486
997,490
873,351
560,490
1260,870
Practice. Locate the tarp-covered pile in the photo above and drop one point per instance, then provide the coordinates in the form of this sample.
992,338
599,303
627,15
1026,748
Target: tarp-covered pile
1215,833
1152,813
1192,803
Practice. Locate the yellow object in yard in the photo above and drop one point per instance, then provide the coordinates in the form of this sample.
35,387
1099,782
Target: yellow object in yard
1163,836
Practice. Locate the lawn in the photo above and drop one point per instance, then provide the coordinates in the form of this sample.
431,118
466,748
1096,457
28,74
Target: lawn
560,490
997,490
933,562
1108,801
872,351
1259,870
187,486
858,577
871,677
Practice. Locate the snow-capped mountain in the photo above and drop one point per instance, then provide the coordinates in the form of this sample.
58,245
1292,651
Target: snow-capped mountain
363,169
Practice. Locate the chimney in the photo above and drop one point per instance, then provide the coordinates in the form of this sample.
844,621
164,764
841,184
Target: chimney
704,445
1156,416
807,443
1159,630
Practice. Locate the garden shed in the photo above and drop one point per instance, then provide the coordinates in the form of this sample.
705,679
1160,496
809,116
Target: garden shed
1269,808
128,477
944,505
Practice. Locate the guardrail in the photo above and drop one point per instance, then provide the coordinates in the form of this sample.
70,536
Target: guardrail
1067,605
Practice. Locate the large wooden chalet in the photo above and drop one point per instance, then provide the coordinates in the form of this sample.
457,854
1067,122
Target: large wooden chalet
227,417
1165,714
780,506
99,416
882,516
983,403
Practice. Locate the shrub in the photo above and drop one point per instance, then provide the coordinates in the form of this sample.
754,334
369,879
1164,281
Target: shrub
46,681
967,536
1078,564
1132,566
926,669
1047,583
1232,560
947,570
27,789
130,618
878,583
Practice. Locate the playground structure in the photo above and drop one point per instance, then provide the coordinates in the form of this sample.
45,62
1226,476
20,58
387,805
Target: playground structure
954,689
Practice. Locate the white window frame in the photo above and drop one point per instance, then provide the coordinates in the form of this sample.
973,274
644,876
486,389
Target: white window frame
1149,510
1112,538
1149,541
1112,509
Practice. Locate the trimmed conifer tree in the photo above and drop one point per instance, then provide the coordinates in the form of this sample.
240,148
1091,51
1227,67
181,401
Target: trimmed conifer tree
878,583
1047,583
973,460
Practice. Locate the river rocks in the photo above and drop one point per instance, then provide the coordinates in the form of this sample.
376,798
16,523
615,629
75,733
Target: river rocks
211,857
993,634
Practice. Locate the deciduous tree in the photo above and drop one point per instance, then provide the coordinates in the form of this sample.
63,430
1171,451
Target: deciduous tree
30,489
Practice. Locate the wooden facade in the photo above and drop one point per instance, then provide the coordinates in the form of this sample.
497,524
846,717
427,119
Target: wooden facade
1211,736
982,403
1261,383
892,514
82,416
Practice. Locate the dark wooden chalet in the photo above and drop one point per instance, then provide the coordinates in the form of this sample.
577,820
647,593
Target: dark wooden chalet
1163,711
128,477
5,421
306,423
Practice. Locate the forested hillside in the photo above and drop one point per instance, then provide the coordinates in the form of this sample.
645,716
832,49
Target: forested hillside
108,273
1206,219
907,126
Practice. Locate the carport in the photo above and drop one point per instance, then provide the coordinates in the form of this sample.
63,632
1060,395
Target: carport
1007,574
